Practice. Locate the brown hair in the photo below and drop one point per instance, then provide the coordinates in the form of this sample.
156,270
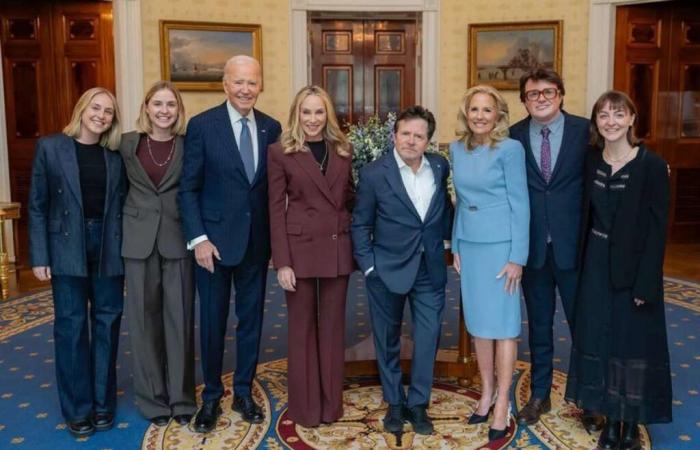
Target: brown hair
110,138
293,138
618,101
416,112
500,129
541,74
143,123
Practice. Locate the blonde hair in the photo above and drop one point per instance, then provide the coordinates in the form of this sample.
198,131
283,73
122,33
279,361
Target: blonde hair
293,137
110,138
144,124
500,129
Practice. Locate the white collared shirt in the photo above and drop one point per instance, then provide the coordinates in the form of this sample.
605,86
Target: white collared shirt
420,185
235,118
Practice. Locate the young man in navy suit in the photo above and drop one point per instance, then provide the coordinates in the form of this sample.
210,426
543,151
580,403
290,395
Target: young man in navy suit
223,204
402,217
555,143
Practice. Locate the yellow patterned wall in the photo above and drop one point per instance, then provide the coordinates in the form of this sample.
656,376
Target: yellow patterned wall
273,15
456,15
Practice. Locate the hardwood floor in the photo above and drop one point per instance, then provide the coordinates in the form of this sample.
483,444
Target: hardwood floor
682,261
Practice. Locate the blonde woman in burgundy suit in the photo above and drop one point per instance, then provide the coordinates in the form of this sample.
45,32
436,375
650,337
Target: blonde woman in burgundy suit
310,194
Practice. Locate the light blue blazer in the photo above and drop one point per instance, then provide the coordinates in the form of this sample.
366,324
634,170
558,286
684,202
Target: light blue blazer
492,197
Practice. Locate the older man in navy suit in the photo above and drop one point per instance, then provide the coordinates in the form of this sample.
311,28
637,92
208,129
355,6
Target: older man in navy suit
223,204
402,216
555,143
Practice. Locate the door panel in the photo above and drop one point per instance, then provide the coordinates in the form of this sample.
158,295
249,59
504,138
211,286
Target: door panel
367,66
658,64
52,52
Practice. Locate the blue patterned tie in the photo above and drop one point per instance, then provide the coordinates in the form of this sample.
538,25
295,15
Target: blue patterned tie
546,155
246,149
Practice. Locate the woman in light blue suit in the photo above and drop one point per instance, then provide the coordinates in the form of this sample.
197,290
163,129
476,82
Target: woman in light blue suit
490,243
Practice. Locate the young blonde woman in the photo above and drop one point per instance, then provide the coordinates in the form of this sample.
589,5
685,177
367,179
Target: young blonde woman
75,234
310,193
158,267
490,241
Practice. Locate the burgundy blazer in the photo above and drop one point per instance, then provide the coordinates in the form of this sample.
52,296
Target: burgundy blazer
310,213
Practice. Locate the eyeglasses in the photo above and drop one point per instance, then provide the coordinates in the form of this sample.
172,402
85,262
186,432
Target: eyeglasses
548,93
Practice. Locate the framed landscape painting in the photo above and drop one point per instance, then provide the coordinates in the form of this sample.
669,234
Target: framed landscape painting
193,54
499,53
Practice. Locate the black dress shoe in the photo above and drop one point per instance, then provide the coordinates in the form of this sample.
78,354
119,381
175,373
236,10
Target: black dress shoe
495,435
81,428
421,423
630,437
160,421
183,419
103,421
247,408
532,411
610,437
394,418
207,417
591,421
475,418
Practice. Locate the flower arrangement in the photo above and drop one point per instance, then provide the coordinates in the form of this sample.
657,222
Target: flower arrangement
372,139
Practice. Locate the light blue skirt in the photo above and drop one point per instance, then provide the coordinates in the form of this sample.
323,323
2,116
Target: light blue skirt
489,311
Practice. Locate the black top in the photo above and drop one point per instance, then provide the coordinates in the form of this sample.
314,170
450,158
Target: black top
93,178
606,193
320,151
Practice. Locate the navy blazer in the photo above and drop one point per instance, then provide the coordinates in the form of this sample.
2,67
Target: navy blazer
215,196
387,231
555,207
56,223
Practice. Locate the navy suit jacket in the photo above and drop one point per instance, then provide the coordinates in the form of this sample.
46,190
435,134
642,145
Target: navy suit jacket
556,206
215,196
387,231
56,224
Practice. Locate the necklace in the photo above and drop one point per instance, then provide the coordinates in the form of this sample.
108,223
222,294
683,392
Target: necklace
606,156
150,152
325,155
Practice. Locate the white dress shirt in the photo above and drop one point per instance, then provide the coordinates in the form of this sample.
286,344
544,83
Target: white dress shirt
235,118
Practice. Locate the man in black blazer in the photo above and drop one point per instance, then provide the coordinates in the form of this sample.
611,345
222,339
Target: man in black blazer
223,204
555,143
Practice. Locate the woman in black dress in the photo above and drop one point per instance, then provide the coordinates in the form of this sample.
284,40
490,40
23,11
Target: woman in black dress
619,360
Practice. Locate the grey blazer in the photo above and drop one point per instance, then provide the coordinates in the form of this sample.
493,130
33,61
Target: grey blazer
151,216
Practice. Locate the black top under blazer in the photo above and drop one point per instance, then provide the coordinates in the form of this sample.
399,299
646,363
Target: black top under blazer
638,234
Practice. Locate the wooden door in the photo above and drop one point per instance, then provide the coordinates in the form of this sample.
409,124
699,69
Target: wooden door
367,66
657,62
52,52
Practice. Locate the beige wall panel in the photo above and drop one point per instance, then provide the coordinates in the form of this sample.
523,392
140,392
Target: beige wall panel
273,15
456,15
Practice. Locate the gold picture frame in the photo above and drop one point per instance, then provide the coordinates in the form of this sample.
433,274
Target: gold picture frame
193,54
500,52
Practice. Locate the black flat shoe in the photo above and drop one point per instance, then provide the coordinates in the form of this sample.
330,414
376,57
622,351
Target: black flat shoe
183,419
420,421
103,421
81,428
630,437
394,418
591,421
610,437
207,417
160,421
246,407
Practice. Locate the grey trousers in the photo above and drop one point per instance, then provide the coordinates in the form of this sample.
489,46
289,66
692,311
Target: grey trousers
160,314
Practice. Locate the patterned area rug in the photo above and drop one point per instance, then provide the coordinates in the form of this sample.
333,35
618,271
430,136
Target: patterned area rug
361,426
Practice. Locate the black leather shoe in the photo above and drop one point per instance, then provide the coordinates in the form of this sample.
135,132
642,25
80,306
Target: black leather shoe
630,437
103,421
591,421
394,418
248,409
207,417
475,418
495,435
610,437
81,428
421,423
183,419
532,411
160,421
